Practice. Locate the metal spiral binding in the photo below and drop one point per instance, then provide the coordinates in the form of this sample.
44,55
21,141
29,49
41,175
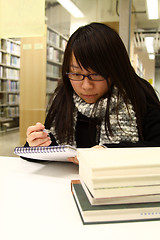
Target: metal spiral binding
28,150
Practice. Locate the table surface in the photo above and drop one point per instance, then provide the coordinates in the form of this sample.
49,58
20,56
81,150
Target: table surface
36,203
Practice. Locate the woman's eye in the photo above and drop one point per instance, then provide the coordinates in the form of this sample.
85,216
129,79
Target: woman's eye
77,74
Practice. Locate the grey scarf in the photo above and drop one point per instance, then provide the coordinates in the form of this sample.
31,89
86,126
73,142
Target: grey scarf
124,128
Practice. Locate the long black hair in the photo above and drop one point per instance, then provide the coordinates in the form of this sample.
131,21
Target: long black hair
98,47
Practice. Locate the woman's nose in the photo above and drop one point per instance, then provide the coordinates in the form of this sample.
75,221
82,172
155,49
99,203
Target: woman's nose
87,84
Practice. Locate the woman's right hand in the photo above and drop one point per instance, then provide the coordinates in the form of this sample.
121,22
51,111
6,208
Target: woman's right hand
36,136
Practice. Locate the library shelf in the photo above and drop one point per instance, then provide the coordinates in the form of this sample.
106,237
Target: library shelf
9,84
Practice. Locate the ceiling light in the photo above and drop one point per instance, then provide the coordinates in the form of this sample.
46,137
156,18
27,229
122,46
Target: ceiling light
151,56
152,9
149,44
72,8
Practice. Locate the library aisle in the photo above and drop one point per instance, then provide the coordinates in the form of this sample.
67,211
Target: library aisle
8,141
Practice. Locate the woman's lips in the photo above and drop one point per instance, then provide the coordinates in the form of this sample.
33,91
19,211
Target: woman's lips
89,95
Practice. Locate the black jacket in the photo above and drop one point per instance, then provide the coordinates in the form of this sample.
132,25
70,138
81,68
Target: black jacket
86,132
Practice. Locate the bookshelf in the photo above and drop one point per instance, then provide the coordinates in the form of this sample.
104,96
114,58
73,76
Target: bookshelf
138,66
41,63
9,84
56,44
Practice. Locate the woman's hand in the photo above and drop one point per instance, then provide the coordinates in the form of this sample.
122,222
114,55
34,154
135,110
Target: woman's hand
73,160
36,136
97,146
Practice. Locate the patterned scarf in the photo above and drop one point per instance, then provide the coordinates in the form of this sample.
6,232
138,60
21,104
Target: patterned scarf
124,128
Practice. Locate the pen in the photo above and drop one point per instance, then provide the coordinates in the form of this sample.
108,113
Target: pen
46,131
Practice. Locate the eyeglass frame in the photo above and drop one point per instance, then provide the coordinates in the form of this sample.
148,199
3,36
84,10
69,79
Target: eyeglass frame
83,77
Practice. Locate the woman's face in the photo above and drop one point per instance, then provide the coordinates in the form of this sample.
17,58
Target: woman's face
90,91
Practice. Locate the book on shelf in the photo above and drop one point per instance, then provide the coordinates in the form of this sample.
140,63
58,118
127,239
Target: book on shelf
10,86
118,172
1,71
53,37
111,213
52,70
11,73
63,44
53,54
51,85
13,99
50,153
12,47
0,57
11,112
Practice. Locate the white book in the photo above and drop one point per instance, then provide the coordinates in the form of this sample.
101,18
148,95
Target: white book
120,172
119,161
119,181
123,191
119,200
51,153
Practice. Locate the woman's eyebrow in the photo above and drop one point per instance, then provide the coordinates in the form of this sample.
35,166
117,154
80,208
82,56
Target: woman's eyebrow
74,66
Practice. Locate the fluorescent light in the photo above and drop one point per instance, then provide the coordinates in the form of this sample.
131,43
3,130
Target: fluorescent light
151,56
72,8
149,44
152,9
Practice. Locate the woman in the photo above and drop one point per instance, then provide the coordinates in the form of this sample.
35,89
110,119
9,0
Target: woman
101,100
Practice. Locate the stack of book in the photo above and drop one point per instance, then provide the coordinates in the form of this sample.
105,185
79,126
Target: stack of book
120,184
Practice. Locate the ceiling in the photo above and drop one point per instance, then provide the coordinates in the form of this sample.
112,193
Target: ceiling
140,12
143,26
142,20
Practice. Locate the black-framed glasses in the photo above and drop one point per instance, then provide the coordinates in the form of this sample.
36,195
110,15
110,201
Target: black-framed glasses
81,77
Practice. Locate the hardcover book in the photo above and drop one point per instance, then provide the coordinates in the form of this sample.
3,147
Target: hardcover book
120,172
115,212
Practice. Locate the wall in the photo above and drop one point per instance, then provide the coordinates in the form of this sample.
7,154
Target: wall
95,10
59,19
149,65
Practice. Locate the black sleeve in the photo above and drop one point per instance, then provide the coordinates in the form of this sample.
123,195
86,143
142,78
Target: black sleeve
151,129
151,132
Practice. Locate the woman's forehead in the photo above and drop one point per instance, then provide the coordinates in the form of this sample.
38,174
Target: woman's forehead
73,60
76,64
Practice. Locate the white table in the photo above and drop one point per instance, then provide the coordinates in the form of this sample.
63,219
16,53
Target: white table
36,204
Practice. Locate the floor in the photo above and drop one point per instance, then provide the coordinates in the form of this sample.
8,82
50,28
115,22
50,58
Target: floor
8,141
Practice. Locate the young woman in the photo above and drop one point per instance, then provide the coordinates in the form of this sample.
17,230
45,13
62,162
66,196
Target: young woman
101,100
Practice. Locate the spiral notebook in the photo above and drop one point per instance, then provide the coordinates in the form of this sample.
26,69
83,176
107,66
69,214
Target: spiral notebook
51,153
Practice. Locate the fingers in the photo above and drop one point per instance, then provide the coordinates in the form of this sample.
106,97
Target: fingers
36,136
97,146
45,142
74,160
37,127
